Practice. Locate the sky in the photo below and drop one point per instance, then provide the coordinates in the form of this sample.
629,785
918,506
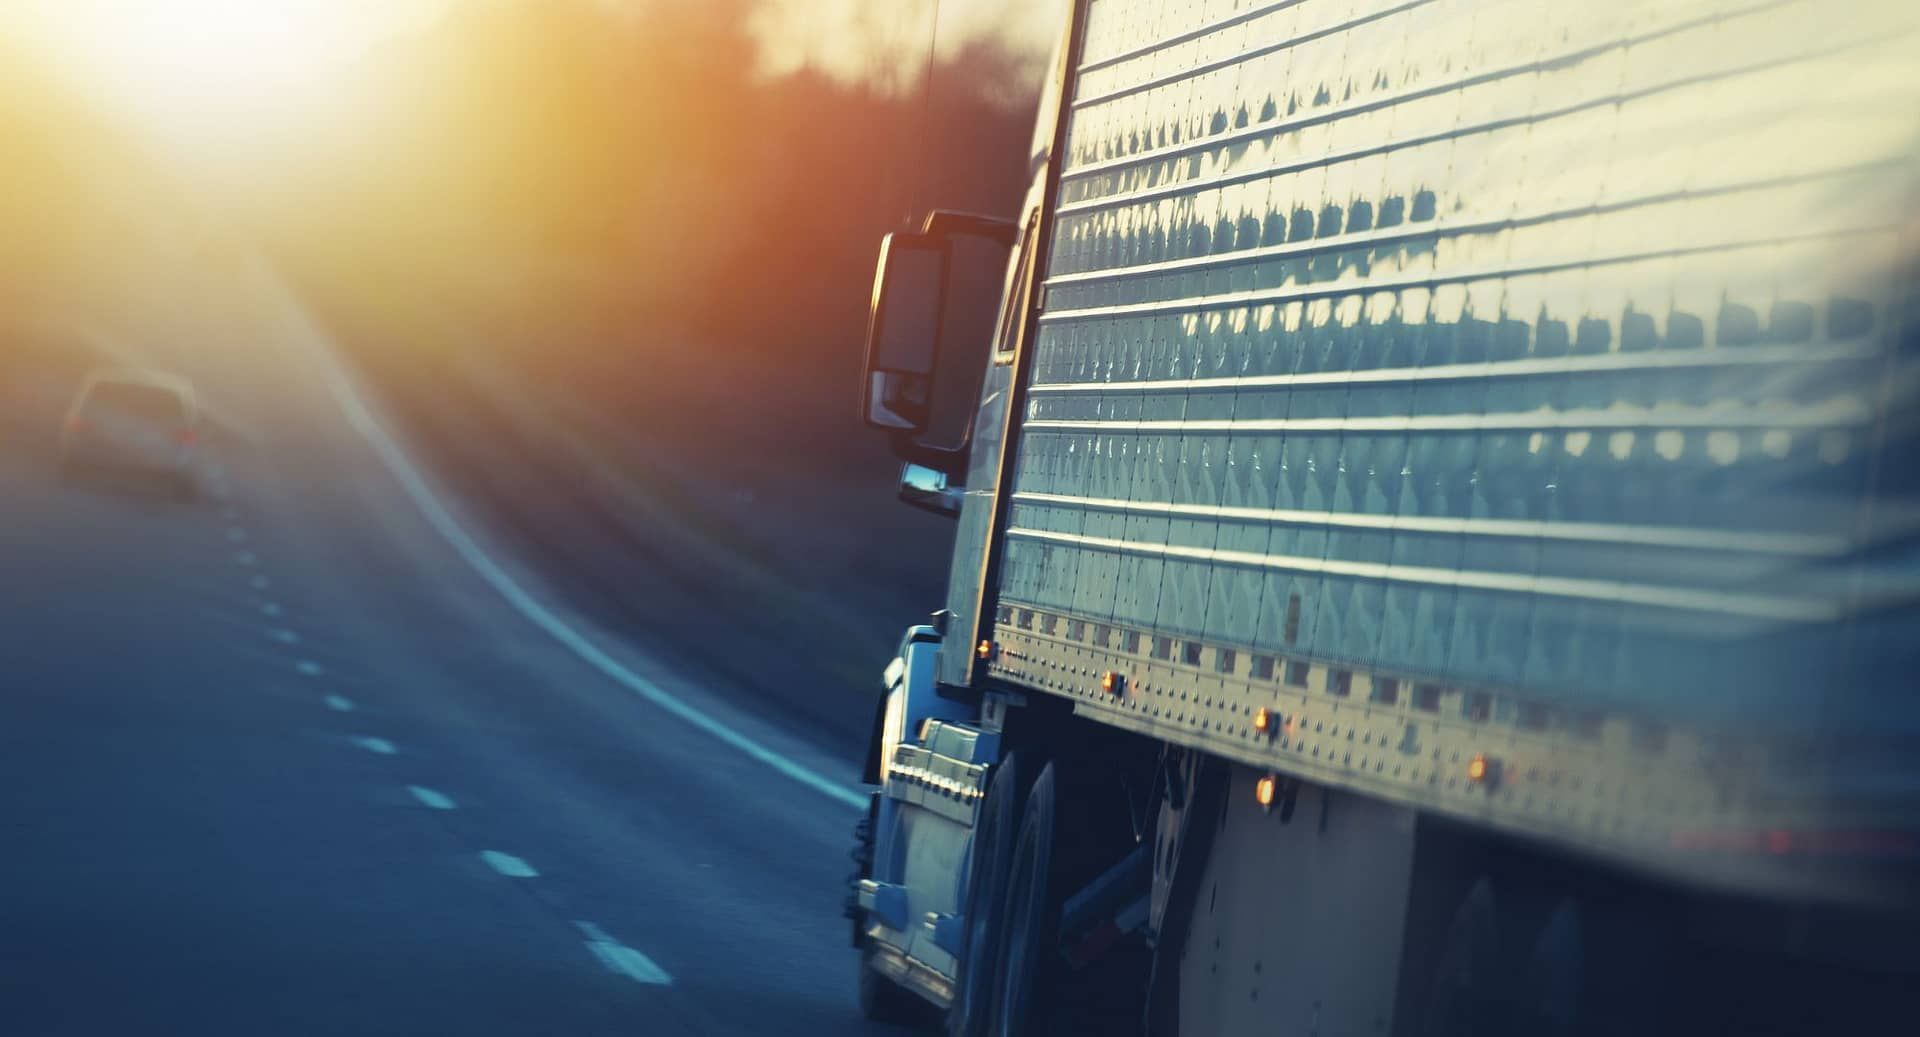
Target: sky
178,63
193,64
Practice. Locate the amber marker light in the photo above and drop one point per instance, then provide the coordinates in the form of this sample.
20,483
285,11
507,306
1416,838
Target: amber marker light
1263,791
985,651
1263,721
1112,683
1479,767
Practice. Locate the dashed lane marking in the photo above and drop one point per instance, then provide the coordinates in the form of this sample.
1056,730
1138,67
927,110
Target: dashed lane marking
377,746
260,582
509,865
309,668
284,636
271,608
539,615
431,799
621,959
246,558
340,703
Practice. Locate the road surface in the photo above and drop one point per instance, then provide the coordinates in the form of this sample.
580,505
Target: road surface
315,756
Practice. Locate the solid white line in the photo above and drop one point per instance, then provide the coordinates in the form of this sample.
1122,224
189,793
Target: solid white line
509,865
621,959
431,799
463,544
377,746
339,703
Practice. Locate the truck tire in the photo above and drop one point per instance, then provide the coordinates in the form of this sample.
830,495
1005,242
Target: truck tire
1072,828
1027,966
1465,990
988,861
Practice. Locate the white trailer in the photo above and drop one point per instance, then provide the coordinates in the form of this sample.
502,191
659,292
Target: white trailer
1436,532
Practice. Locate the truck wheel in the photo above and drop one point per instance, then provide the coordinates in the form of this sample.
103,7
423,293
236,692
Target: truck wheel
988,861
1027,964
1554,975
1464,993
884,1001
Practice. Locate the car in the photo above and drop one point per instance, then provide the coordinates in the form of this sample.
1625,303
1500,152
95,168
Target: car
133,427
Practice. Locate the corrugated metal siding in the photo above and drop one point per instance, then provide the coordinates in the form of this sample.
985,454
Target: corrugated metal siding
1508,343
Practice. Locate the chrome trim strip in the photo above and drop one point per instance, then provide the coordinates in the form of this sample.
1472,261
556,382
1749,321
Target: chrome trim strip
1386,100
1320,161
1357,287
1745,605
1827,415
1680,537
1824,352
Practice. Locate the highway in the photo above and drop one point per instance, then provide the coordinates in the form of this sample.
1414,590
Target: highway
316,755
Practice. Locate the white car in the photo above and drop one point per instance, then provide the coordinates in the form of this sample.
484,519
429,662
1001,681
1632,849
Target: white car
135,427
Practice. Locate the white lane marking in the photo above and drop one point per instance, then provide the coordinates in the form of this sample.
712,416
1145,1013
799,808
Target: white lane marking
339,703
509,865
309,668
284,636
431,799
261,583
245,558
377,746
271,608
621,959
539,615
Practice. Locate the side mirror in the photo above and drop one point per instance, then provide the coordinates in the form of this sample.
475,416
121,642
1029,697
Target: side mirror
903,331
927,489
930,334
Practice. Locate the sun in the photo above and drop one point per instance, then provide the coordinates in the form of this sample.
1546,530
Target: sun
181,63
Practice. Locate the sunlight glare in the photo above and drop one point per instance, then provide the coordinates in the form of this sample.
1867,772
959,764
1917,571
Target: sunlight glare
183,63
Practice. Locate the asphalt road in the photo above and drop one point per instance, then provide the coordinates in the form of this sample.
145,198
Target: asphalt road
314,755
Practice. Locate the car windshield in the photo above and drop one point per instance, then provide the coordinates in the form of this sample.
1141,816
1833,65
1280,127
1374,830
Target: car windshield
1363,518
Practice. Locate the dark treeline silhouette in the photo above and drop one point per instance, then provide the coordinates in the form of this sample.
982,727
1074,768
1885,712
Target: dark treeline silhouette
611,219
616,203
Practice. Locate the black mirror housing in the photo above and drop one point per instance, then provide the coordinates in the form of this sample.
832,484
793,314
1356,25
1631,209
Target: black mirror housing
929,334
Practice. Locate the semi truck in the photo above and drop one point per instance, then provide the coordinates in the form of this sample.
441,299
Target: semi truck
1435,544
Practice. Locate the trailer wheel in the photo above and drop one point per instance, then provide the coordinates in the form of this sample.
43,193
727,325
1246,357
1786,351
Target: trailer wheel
1554,975
1464,992
1027,968
989,859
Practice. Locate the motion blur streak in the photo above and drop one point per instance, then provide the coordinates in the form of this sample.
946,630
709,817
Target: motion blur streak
537,614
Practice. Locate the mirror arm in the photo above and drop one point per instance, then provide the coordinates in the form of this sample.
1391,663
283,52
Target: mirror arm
952,463
948,222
